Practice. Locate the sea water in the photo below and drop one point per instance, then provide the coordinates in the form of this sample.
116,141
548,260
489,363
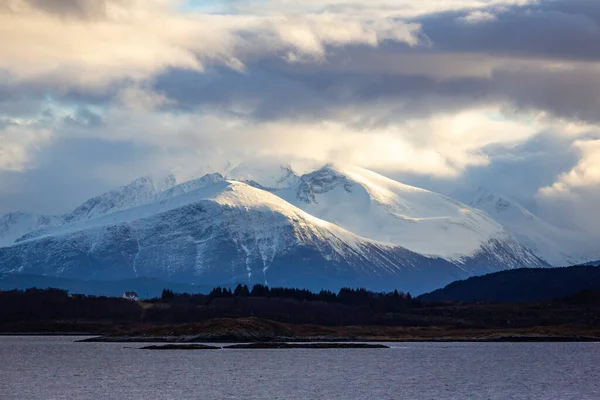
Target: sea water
45,367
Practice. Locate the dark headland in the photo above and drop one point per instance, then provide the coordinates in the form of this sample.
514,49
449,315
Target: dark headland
259,315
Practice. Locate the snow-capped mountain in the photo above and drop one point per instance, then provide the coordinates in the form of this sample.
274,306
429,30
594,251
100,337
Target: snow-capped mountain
334,227
379,208
224,232
559,247
146,189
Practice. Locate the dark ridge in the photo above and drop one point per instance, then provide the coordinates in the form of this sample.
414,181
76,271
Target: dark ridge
520,285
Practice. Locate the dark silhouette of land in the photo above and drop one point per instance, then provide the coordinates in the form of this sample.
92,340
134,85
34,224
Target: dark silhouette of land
263,314
520,285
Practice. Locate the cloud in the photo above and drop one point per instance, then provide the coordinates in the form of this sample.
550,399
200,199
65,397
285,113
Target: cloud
133,40
478,17
373,8
69,171
575,194
443,146
449,95
584,175
20,139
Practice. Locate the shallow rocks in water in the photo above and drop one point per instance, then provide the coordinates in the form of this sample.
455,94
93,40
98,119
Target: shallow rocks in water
282,345
268,345
181,347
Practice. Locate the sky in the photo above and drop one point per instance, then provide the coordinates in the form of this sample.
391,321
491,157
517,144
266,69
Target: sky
448,95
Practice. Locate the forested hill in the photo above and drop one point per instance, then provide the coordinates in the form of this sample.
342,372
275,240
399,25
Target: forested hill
520,285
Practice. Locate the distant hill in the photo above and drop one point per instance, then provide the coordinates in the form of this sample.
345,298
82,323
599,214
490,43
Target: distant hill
145,287
520,285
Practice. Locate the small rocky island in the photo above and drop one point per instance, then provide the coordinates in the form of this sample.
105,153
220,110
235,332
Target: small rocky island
181,347
268,345
283,345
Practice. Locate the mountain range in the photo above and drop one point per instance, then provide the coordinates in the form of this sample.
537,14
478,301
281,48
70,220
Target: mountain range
262,223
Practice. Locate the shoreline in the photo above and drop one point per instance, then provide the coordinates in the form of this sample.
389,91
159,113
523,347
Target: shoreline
254,330
508,339
94,334
177,340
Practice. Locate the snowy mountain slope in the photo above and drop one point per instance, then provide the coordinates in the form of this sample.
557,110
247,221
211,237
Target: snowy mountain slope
337,226
558,247
140,191
16,224
379,208
222,232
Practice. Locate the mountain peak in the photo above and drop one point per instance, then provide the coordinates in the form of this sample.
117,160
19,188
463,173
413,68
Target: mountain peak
377,207
321,181
137,192
13,225
487,199
493,204
192,185
559,247
266,173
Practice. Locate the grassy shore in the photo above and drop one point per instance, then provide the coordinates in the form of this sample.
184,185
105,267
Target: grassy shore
249,330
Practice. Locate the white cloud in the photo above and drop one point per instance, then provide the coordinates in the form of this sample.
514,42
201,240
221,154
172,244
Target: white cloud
140,99
135,40
19,140
370,8
440,146
478,17
585,174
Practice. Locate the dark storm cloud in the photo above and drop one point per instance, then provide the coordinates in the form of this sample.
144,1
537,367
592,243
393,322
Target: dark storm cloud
516,48
550,29
570,93
272,94
273,89
309,95
314,93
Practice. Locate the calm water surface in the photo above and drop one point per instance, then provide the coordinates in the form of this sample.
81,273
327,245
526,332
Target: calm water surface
58,368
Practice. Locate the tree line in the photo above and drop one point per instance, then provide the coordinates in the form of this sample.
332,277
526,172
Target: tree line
54,310
358,297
